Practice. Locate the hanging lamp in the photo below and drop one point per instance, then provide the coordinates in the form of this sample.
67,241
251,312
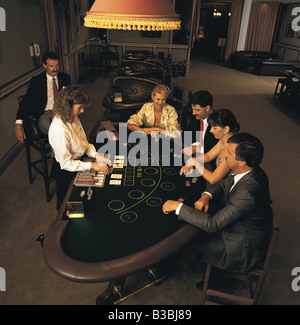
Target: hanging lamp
145,15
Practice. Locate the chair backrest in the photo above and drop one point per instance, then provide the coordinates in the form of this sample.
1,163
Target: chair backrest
261,273
187,114
254,279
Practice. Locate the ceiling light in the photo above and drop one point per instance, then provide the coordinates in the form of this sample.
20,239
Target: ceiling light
146,15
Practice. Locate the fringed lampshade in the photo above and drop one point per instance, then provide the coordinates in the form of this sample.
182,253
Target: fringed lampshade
146,15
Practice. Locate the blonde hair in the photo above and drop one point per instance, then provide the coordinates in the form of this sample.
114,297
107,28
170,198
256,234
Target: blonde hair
161,89
66,99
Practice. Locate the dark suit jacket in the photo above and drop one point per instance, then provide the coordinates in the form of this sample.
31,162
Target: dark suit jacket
238,233
209,140
35,100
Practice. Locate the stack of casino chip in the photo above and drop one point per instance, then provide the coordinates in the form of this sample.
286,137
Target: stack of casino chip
86,178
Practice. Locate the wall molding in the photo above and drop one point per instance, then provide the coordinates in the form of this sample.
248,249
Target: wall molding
10,156
13,85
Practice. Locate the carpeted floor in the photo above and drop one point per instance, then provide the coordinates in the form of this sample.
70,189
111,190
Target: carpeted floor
25,214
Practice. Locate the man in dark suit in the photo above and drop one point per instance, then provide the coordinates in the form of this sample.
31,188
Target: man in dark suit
39,99
235,237
201,104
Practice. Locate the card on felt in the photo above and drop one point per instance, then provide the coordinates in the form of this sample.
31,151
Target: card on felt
118,166
119,162
118,176
115,182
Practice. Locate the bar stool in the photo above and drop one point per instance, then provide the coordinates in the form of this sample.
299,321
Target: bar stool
39,142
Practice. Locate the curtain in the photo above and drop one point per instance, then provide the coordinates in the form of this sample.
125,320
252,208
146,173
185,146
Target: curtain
261,26
51,25
196,21
71,24
234,27
52,29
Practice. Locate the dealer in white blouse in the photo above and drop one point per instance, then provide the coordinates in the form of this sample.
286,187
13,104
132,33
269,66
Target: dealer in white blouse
68,139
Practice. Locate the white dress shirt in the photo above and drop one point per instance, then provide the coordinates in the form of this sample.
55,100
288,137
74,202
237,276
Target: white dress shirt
69,143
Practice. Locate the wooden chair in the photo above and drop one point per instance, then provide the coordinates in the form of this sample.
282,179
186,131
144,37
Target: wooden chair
39,142
284,86
253,281
107,55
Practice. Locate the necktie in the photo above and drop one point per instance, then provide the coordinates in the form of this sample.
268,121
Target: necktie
201,133
54,88
229,181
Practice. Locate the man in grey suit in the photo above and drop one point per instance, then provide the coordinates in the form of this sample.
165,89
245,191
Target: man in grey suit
235,237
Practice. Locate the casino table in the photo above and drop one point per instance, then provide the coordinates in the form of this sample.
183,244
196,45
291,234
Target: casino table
124,230
141,69
140,55
125,95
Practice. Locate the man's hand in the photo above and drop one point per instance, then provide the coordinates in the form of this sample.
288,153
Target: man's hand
170,206
20,134
189,150
203,203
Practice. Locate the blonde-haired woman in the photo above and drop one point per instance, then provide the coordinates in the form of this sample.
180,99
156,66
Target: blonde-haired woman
68,140
156,116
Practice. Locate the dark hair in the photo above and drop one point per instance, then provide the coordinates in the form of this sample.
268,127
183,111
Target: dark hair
50,55
249,149
202,98
224,117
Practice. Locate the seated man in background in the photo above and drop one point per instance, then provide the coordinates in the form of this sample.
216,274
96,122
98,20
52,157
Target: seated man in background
39,99
235,238
201,104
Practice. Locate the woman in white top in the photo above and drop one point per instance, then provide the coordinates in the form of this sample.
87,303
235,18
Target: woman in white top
156,116
68,140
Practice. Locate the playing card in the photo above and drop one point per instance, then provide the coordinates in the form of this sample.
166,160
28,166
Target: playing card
115,182
118,176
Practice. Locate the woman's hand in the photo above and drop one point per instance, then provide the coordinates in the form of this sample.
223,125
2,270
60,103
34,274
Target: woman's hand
184,169
153,131
102,164
190,165
98,168
102,161
189,150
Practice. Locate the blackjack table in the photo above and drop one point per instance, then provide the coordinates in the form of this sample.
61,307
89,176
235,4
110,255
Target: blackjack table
125,95
124,230
139,55
141,69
